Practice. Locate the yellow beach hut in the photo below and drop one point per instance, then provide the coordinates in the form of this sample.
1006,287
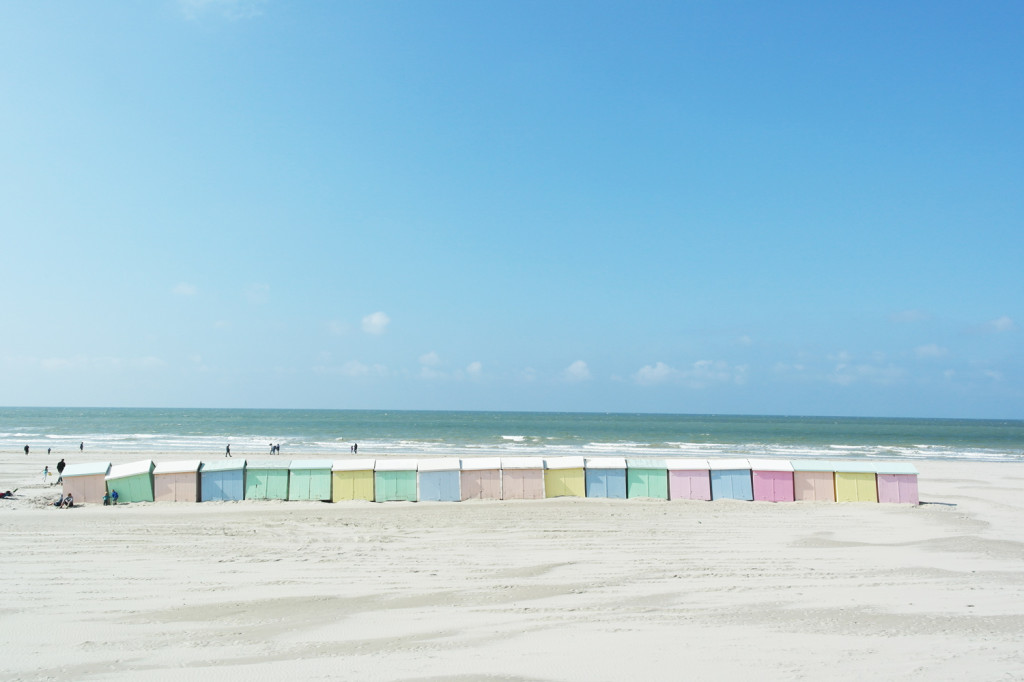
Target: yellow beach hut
352,480
855,481
565,477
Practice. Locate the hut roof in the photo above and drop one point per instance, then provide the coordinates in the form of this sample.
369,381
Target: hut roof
889,468
481,463
522,463
353,464
439,464
605,463
144,466
86,469
848,467
268,464
190,466
231,464
686,464
395,464
770,464
646,463
297,464
725,464
564,462
812,465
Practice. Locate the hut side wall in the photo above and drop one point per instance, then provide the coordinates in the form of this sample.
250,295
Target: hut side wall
85,489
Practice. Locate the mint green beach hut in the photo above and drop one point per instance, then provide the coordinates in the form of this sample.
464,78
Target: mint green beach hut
267,479
133,481
394,480
646,477
310,479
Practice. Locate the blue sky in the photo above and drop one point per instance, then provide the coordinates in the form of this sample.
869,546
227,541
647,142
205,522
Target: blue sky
772,208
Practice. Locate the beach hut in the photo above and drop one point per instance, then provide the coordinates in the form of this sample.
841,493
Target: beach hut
522,478
267,479
646,477
564,477
310,479
222,480
352,479
730,479
132,481
480,478
855,481
394,480
86,482
688,479
176,481
772,480
606,477
813,480
897,482
439,480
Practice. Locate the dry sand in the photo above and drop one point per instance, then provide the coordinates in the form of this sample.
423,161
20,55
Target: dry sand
565,589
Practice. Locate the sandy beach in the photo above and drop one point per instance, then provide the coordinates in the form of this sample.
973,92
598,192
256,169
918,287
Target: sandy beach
563,589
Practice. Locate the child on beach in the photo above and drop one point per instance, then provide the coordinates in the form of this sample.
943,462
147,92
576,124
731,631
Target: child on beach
46,472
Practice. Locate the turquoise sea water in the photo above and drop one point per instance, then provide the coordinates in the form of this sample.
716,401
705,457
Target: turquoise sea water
203,432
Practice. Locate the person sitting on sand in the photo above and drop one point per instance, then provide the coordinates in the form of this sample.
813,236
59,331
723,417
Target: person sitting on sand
7,493
68,502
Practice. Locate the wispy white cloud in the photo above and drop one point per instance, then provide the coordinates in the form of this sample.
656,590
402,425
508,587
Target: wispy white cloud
474,369
700,374
185,289
577,371
88,363
846,372
354,368
430,359
1002,324
376,323
930,351
909,316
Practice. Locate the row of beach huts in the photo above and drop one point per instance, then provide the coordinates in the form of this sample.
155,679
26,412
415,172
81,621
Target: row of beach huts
493,478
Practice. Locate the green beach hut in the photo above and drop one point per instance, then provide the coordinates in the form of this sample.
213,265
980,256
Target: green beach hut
310,479
267,479
395,480
646,477
133,481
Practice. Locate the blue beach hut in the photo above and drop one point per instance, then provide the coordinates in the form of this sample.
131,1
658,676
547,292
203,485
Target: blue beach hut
606,477
439,480
730,479
222,480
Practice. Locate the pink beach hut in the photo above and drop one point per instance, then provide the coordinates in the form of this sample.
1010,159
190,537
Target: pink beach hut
176,481
481,478
86,482
813,480
522,478
772,480
689,479
897,482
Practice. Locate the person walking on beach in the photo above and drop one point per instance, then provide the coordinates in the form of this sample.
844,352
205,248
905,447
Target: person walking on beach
355,448
26,450
81,446
60,471
227,451
46,472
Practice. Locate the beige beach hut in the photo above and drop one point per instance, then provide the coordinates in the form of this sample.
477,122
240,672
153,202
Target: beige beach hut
352,479
176,481
481,478
565,477
86,482
522,478
814,480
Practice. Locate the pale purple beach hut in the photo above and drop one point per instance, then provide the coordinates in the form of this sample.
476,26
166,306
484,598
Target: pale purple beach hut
772,480
481,478
813,480
689,479
897,482
522,478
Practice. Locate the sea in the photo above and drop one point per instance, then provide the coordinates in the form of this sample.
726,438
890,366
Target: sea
196,433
